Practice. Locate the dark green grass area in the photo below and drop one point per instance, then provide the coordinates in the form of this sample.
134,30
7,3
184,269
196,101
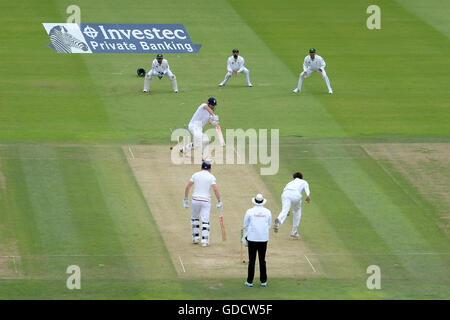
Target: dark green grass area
79,205
382,85
279,289
359,216
44,97
116,244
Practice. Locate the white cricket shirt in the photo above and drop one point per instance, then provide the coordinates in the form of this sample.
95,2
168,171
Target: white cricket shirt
201,116
257,223
163,67
313,65
298,185
203,180
235,64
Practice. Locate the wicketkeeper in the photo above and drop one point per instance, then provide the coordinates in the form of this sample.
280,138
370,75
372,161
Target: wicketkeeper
202,181
160,68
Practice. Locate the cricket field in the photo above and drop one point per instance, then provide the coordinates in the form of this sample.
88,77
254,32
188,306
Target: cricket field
86,177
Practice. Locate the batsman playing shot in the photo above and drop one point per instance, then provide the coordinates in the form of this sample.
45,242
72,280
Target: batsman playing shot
313,63
160,68
202,116
202,181
292,197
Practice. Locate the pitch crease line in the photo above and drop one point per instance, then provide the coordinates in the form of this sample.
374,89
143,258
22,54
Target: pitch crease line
15,267
182,265
131,151
148,255
312,267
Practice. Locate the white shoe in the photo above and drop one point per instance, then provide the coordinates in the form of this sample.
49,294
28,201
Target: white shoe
250,85
295,90
221,84
330,92
195,241
205,244
276,225
295,235
176,91
145,91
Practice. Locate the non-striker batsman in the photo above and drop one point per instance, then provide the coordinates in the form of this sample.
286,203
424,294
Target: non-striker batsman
202,181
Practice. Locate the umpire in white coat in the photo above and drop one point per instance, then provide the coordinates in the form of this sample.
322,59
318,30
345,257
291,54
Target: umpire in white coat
257,223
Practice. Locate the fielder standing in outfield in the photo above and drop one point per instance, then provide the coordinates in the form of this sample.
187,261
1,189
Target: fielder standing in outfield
292,196
203,115
313,63
257,222
160,68
203,181
235,66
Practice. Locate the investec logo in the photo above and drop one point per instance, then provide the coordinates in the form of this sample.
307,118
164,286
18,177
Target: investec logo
120,38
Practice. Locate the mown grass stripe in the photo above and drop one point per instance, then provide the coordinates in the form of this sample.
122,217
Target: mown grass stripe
430,12
384,214
91,216
343,251
139,236
48,197
19,215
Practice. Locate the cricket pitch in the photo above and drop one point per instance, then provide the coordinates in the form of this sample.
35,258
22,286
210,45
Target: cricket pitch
163,183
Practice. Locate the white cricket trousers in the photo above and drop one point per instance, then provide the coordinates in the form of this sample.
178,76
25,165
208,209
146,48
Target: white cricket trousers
200,209
306,74
244,71
151,74
291,199
198,139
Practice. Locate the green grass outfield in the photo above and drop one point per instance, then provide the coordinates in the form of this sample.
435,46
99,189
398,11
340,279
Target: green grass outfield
69,197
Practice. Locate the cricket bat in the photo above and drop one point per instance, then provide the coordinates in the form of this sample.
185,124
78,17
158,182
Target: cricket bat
220,135
222,226
242,246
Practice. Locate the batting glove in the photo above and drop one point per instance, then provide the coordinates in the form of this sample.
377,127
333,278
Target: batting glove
185,203
215,117
219,205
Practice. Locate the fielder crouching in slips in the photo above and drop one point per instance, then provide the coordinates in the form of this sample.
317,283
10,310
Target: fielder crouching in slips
202,181
257,223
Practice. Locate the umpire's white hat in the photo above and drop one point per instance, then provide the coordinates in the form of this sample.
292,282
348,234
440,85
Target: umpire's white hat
259,200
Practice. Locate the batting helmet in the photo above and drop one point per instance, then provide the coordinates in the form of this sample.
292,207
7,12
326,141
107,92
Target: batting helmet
159,56
206,165
212,101
141,72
